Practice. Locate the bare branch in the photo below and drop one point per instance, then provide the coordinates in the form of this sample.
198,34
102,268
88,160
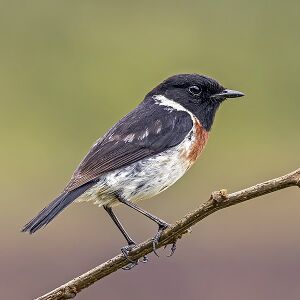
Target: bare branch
217,201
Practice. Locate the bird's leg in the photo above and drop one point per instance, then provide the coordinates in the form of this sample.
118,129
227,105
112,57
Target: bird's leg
129,240
156,238
126,249
162,225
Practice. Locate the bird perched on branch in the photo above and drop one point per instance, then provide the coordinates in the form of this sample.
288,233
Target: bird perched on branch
145,152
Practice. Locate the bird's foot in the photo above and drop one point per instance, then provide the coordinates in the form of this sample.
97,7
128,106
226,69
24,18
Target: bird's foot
132,263
155,240
172,249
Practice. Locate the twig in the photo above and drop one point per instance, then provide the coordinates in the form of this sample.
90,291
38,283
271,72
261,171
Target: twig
217,201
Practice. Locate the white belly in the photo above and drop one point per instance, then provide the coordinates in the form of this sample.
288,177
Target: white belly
143,179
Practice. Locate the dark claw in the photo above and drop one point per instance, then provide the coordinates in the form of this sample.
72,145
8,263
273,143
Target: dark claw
125,251
173,249
154,243
156,238
145,259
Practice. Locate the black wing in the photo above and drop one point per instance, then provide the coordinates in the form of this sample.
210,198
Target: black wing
147,130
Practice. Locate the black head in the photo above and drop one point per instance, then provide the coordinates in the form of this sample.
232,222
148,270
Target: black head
199,94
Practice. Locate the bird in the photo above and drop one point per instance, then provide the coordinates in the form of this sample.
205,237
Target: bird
145,152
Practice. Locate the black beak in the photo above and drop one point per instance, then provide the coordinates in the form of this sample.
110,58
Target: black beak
228,94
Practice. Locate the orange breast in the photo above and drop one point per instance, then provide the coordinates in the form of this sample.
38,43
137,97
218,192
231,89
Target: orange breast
199,138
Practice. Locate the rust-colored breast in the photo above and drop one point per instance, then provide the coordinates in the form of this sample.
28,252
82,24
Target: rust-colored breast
199,138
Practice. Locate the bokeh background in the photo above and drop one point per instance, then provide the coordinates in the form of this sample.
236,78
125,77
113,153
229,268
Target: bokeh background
70,69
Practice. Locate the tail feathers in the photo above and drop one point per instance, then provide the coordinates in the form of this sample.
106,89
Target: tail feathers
54,208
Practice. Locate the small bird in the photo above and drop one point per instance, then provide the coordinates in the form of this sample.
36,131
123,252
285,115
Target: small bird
144,153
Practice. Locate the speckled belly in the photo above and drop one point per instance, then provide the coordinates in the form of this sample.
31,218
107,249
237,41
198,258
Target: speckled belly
146,178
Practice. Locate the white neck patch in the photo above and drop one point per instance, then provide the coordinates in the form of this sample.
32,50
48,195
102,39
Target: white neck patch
170,104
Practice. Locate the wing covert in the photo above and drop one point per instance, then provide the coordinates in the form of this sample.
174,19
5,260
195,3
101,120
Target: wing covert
147,130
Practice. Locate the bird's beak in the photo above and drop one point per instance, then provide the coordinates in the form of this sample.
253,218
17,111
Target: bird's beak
228,94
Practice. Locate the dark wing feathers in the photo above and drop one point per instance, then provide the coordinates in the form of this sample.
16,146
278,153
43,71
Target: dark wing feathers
147,130
54,208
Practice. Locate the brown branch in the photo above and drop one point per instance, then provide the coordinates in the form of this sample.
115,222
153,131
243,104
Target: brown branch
217,201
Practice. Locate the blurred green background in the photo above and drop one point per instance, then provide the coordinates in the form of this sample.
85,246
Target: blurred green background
70,69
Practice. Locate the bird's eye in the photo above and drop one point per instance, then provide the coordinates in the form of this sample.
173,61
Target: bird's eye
194,90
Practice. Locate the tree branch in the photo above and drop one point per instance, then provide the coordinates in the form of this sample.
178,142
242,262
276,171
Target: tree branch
217,201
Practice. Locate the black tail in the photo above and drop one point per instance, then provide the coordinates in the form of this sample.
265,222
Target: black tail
54,208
